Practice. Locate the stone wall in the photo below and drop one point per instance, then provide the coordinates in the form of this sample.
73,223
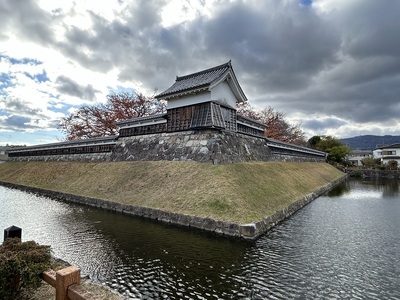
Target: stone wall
295,158
254,230
376,174
209,146
202,146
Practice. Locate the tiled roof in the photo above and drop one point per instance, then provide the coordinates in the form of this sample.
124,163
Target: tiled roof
389,146
276,143
99,140
202,79
239,116
146,118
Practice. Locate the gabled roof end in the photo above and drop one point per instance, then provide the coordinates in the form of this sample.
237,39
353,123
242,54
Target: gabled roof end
201,80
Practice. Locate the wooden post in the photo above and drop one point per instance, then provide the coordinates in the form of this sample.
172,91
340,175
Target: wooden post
64,278
12,232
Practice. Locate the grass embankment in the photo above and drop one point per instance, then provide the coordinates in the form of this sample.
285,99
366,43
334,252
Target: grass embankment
239,193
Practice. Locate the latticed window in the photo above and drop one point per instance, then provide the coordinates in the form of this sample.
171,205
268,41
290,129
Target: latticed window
201,116
180,118
217,119
229,116
146,129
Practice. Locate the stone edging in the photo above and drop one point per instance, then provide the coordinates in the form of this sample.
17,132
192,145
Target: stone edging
246,231
254,230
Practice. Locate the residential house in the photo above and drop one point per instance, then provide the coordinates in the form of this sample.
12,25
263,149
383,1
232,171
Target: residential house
355,157
387,153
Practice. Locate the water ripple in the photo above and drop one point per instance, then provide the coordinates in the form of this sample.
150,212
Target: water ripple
344,245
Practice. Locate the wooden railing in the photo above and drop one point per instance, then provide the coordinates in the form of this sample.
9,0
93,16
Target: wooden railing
66,281
67,284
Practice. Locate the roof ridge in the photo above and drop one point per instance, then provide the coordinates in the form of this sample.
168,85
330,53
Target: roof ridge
228,64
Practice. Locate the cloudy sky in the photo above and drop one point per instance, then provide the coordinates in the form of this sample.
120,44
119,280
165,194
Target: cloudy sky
333,65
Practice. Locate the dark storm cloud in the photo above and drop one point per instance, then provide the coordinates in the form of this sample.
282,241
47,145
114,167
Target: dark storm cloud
322,124
279,45
286,54
145,14
116,44
89,50
371,28
27,19
366,81
17,123
275,46
54,123
70,87
16,106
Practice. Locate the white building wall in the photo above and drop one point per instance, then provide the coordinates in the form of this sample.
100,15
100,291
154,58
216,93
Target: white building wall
223,93
189,100
390,154
356,160
387,154
377,153
356,156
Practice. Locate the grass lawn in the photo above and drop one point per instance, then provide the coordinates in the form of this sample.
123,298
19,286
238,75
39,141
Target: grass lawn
239,192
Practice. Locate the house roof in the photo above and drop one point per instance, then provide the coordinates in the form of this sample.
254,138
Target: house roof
357,151
390,157
388,146
204,80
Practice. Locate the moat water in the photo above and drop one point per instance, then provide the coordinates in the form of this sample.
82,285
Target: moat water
344,245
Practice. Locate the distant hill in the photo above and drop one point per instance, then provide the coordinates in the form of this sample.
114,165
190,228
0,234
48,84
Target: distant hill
369,142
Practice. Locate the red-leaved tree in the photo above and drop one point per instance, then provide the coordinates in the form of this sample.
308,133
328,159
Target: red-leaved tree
99,120
277,127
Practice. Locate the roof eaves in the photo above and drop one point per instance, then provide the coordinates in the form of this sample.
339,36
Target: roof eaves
182,92
204,83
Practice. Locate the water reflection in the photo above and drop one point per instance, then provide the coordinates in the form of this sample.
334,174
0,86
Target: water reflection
139,258
340,190
344,245
163,260
391,189
388,188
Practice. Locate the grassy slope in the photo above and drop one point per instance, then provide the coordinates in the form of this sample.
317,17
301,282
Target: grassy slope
241,192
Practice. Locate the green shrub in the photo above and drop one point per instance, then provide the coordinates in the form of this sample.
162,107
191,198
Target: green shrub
357,174
392,164
20,266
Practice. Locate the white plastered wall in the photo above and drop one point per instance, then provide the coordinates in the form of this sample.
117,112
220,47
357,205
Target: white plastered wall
223,93
189,100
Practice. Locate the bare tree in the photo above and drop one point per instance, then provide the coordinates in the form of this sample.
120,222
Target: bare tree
100,120
277,127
